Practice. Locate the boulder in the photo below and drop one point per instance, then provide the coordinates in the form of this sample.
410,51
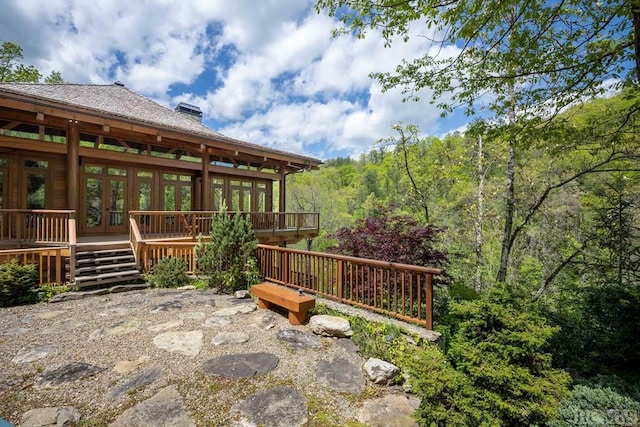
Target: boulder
242,294
330,326
33,353
380,372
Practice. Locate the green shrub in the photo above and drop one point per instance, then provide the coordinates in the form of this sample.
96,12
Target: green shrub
497,370
597,406
16,282
170,273
501,345
626,386
379,340
228,259
45,292
448,397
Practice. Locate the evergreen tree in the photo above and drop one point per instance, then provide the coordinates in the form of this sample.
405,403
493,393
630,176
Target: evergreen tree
228,258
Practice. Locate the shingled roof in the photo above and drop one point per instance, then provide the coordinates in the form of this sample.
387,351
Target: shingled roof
120,102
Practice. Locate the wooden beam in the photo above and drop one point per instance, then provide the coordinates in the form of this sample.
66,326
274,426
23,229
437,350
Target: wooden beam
205,181
136,159
32,145
73,165
221,170
11,125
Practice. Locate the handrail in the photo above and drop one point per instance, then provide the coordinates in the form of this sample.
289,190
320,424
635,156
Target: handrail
170,224
399,290
135,238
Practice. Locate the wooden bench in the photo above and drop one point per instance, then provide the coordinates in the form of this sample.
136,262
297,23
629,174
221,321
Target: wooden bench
298,305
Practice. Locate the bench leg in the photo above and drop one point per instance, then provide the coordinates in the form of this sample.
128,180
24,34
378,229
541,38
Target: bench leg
297,318
262,304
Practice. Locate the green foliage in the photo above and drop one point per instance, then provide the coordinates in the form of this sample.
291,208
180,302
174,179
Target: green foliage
503,373
228,259
448,397
625,386
552,54
16,283
45,292
12,70
597,407
170,273
380,340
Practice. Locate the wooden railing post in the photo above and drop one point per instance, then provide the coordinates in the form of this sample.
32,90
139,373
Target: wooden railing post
59,266
19,226
339,278
284,261
429,313
72,246
135,238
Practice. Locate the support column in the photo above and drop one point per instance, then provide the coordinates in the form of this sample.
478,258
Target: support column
197,195
205,195
283,191
73,165
282,202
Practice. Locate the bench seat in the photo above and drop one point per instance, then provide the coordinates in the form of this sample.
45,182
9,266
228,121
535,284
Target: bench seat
298,305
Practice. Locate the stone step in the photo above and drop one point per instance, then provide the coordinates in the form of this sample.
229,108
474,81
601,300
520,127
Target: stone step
125,258
103,278
108,281
105,268
103,253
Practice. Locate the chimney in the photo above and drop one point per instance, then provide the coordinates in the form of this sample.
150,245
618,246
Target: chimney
191,111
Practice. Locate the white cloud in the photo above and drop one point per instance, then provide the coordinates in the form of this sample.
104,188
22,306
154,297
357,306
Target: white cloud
287,83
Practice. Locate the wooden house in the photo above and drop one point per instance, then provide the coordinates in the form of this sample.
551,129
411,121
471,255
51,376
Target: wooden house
108,157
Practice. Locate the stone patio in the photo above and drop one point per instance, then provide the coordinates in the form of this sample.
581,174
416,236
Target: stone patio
182,358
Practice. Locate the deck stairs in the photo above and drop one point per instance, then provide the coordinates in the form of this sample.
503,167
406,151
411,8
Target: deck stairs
106,263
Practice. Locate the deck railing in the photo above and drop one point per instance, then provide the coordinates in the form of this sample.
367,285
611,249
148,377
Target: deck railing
35,226
52,231
49,261
399,290
188,224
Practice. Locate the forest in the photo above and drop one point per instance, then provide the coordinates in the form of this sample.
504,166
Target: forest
532,210
575,258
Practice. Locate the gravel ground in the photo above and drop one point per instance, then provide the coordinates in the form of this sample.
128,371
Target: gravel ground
69,325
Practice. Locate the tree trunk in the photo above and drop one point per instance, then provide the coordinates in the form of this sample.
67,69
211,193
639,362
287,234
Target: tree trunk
509,212
509,196
479,217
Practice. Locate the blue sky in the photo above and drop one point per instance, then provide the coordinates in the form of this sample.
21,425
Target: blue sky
267,71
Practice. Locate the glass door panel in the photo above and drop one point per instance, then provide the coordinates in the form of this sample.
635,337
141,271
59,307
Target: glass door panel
94,204
116,205
185,198
36,191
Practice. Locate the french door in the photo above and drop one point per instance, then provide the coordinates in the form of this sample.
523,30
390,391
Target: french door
105,203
